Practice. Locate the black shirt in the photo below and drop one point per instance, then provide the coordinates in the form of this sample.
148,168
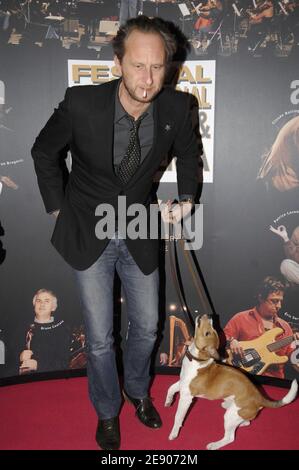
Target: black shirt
123,126
50,345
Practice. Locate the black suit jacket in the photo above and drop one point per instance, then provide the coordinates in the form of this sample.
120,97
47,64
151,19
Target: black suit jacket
84,123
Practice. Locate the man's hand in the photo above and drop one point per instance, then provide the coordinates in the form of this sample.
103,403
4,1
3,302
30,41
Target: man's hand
25,355
30,364
8,182
281,231
235,348
175,213
163,359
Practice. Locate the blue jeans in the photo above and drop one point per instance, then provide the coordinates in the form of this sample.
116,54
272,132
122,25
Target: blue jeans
96,294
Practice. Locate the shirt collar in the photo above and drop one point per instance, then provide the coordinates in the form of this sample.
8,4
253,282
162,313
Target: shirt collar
277,321
120,112
43,322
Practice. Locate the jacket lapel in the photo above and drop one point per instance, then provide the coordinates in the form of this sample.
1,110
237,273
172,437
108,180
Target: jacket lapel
102,122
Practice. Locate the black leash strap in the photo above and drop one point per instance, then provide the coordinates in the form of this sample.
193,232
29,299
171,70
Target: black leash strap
196,279
174,269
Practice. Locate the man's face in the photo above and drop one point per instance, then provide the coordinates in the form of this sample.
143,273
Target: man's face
44,305
143,66
272,304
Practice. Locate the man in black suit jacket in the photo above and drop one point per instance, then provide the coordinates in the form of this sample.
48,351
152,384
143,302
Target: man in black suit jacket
97,124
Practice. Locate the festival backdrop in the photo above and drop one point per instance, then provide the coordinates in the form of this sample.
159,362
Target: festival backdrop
242,67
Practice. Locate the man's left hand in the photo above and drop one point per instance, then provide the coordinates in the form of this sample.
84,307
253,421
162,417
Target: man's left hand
30,363
175,213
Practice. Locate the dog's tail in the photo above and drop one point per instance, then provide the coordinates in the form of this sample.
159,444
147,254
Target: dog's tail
288,398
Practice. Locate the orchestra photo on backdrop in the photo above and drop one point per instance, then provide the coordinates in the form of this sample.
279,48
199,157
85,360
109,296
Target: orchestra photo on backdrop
214,27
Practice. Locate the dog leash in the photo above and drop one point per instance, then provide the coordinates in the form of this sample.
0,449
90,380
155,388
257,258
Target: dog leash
196,279
175,272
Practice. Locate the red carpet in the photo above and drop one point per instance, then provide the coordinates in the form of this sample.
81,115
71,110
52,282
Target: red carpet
58,415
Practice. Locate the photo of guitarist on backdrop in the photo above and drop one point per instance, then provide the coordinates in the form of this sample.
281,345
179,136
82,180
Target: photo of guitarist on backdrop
258,340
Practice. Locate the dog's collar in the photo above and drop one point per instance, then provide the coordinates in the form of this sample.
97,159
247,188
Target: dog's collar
191,357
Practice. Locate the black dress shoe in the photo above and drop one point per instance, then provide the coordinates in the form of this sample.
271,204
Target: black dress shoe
108,435
145,411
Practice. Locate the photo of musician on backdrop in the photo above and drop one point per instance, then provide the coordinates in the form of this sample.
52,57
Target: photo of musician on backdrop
280,165
259,341
221,27
289,266
46,339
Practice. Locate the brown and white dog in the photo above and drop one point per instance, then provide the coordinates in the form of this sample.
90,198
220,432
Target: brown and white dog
202,377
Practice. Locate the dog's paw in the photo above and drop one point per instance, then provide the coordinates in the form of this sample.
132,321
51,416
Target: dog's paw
213,446
173,435
245,423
